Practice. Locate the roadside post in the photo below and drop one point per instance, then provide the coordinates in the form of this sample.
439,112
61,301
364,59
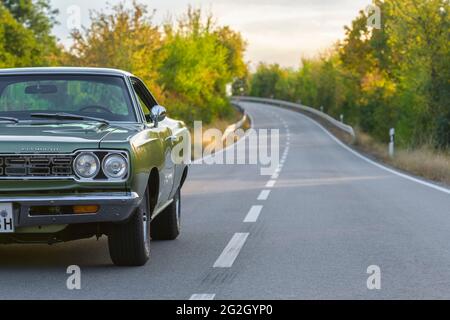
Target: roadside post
392,143
342,118
321,109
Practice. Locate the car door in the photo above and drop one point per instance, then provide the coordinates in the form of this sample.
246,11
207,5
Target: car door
167,172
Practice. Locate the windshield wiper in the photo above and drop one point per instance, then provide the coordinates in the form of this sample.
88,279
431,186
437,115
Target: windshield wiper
67,116
9,119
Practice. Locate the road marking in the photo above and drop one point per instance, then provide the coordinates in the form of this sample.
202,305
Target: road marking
203,297
402,175
264,195
275,176
231,251
271,184
253,214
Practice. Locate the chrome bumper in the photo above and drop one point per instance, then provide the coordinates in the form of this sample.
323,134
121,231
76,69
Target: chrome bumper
114,207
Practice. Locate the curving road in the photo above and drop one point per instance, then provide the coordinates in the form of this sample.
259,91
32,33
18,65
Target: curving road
311,232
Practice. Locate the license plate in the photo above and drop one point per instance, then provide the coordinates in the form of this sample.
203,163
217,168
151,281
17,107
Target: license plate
6,218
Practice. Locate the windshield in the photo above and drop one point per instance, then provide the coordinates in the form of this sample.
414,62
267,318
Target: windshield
104,97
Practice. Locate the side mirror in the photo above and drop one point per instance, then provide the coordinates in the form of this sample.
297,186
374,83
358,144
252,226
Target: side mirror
158,114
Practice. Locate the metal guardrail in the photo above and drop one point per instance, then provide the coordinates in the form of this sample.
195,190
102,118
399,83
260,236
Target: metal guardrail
238,125
295,106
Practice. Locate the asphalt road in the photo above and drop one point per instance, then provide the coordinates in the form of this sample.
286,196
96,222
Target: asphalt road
310,234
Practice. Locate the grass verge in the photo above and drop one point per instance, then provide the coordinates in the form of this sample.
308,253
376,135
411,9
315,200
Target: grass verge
424,161
222,125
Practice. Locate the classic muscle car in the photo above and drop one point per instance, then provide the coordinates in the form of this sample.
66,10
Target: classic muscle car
88,152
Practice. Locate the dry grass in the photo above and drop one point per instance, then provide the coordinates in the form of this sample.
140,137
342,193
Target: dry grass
425,161
220,124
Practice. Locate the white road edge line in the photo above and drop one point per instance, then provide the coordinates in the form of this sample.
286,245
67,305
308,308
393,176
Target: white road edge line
203,297
264,195
397,173
231,251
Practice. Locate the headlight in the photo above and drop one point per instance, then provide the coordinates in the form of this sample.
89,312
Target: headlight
115,166
86,165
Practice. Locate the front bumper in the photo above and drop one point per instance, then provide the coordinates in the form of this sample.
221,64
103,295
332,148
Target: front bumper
114,207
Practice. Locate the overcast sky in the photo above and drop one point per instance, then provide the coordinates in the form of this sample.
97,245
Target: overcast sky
276,30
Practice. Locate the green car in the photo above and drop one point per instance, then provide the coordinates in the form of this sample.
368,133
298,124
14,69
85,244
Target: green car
88,152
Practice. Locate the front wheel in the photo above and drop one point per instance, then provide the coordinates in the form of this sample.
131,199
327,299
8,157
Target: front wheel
167,224
129,242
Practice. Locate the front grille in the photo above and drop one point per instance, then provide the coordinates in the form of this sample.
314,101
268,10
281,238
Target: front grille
35,166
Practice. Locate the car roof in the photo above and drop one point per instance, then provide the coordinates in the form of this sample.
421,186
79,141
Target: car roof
64,70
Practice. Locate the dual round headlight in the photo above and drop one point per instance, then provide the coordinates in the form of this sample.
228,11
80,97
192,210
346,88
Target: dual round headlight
114,166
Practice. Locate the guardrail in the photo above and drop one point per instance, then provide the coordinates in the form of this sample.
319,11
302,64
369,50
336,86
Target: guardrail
295,106
238,125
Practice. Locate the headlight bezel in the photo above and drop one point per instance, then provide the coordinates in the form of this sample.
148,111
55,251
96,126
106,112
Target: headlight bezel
101,175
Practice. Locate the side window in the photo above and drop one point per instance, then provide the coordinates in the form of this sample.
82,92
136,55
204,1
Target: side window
141,97
146,100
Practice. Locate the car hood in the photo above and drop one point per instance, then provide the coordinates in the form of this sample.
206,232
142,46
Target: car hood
59,138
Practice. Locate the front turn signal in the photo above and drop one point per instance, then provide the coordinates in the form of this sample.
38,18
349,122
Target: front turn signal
86,209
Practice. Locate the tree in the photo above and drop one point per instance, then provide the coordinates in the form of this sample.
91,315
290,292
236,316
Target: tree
25,34
396,76
200,60
187,65
124,39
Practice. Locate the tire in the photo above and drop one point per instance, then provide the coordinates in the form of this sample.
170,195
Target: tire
129,242
167,225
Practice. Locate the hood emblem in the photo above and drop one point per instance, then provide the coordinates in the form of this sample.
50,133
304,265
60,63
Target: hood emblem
40,149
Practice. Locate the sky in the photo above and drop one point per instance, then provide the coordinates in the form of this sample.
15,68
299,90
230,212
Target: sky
277,31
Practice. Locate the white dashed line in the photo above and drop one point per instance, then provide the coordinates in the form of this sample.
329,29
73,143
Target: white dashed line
231,252
275,176
203,297
264,195
253,214
271,184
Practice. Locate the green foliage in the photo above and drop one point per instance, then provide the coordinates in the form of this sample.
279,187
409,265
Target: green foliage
397,76
195,67
25,34
187,65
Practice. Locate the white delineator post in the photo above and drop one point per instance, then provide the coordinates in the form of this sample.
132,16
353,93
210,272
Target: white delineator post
342,118
392,143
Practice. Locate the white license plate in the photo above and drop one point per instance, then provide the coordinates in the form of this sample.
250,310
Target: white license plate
6,218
